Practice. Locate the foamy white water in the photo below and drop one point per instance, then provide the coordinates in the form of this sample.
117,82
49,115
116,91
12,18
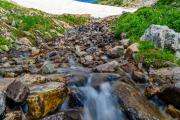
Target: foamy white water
73,7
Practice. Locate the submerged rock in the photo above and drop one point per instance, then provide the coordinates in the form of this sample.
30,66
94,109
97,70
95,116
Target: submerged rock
136,106
45,98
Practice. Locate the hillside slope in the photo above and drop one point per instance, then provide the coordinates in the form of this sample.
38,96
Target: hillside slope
19,22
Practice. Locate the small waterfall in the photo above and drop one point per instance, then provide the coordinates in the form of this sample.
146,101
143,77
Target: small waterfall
100,104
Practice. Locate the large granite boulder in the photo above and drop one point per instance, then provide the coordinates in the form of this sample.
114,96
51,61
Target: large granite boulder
136,106
163,37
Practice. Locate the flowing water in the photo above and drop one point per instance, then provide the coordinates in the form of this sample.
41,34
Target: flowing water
98,101
100,104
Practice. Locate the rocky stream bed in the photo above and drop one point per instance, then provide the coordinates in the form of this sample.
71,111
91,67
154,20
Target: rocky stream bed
86,74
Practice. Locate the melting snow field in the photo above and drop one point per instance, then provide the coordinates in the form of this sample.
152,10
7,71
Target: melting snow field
73,7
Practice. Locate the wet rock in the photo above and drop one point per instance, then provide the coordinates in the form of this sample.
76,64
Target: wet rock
15,70
35,79
116,52
171,94
17,91
99,78
163,37
175,113
45,98
76,98
16,115
67,115
136,106
131,50
165,75
47,68
2,104
107,67
4,83
81,78
151,90
139,77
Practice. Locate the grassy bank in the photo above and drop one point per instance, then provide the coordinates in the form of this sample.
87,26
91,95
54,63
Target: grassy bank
18,22
165,12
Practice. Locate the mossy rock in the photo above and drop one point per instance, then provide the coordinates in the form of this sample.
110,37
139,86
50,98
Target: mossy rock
45,98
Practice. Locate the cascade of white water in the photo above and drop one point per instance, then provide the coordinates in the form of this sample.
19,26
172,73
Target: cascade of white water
100,104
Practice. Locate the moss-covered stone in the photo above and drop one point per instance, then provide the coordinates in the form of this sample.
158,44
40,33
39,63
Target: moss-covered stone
45,98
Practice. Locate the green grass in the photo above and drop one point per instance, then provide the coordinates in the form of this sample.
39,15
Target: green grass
4,44
134,24
6,5
3,41
73,20
146,45
170,3
26,22
165,12
151,56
